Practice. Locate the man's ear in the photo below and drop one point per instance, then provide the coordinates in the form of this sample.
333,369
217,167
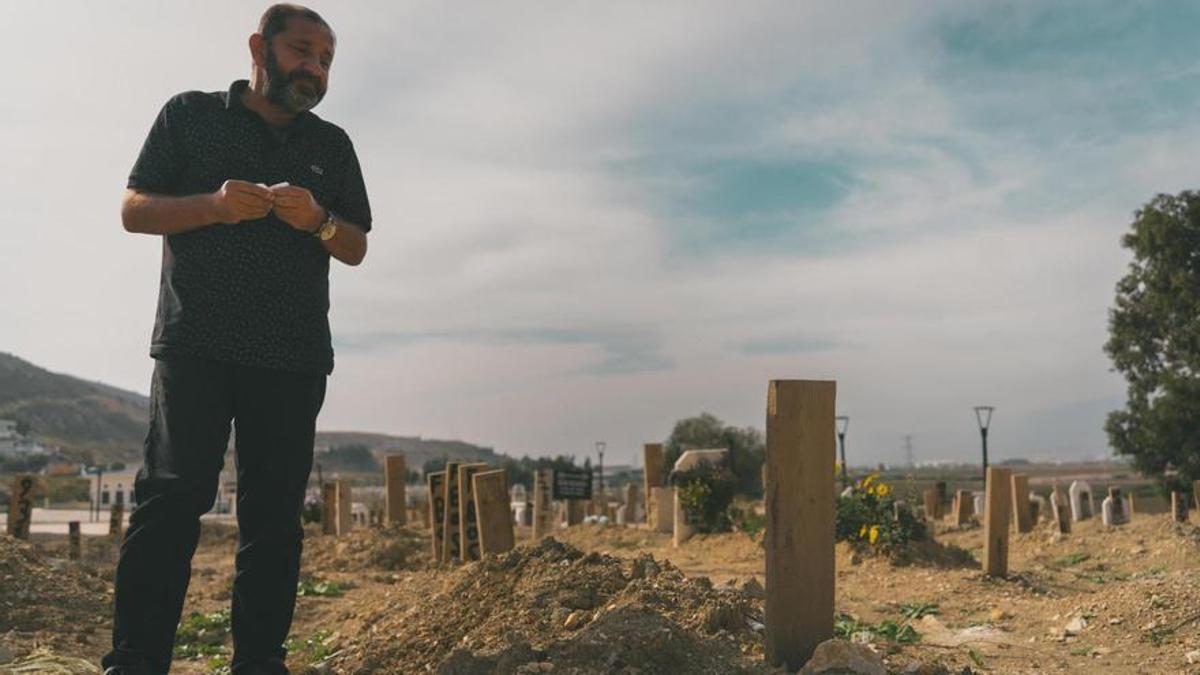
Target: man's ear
258,50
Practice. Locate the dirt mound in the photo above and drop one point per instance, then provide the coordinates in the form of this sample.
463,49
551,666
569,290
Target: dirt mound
390,548
551,605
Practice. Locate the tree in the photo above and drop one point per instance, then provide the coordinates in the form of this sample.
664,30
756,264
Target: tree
746,446
1154,341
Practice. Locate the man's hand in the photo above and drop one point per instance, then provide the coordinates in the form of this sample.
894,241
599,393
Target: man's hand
295,206
238,200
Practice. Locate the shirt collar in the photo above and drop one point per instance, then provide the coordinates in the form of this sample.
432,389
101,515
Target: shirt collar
233,102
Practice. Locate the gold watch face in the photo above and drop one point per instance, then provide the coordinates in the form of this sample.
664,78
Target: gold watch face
327,231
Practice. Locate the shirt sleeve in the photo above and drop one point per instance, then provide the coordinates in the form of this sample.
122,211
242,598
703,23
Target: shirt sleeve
159,165
352,203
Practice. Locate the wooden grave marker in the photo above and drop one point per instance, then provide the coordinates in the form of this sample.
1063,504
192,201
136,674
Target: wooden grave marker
396,475
1020,500
799,539
652,453
329,507
962,508
495,523
116,521
933,509
631,503
468,519
74,541
997,508
344,508
575,509
543,513
436,482
1179,507
664,509
20,506
452,543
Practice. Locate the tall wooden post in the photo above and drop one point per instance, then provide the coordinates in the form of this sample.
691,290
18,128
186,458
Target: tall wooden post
653,455
800,519
396,475
74,541
575,509
543,512
490,489
963,506
997,507
452,544
1179,507
631,503
436,482
329,507
116,521
20,506
933,509
345,518
1020,498
1060,510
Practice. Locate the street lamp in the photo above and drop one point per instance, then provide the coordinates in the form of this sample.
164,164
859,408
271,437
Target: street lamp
983,415
600,447
843,423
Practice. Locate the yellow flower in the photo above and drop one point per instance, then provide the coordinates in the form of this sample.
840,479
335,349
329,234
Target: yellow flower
862,531
867,481
882,489
874,533
871,490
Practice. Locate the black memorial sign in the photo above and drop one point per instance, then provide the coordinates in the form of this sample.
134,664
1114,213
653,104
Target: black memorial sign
572,484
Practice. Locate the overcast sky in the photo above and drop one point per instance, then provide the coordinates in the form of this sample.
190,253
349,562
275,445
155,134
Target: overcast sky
593,219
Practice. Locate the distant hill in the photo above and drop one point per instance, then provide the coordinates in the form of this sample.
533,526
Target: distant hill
110,423
78,415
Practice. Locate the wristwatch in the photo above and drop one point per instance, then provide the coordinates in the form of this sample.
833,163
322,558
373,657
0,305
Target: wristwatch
328,228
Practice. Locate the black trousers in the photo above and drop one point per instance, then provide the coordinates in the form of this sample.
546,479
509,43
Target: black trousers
192,404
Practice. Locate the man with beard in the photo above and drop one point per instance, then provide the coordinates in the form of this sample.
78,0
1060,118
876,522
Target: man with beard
252,194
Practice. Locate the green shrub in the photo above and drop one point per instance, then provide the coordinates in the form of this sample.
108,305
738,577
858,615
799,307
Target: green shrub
706,494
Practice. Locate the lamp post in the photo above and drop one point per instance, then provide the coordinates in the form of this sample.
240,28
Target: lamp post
983,415
600,447
843,423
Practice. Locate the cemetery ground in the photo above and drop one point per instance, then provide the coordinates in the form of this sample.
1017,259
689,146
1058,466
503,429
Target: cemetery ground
600,598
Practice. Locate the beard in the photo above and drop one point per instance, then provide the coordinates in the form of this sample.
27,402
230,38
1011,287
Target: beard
295,92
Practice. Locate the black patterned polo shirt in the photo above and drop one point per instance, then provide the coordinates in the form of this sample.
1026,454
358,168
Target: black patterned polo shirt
254,293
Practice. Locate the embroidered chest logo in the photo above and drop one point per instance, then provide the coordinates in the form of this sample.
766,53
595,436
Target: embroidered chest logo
317,170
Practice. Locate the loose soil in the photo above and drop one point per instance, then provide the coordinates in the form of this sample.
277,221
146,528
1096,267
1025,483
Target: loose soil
602,599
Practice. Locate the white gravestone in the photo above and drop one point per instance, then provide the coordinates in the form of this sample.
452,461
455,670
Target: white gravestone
1082,504
1114,510
977,497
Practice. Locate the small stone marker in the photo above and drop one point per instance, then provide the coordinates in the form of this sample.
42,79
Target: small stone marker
116,521
1082,507
962,508
345,508
543,515
468,519
436,481
995,522
684,522
1020,501
396,475
1061,514
20,506
622,519
977,501
800,520
329,507
1179,507
74,541
495,523
452,543
654,460
1113,511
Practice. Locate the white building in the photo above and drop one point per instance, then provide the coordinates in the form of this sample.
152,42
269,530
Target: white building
8,438
115,487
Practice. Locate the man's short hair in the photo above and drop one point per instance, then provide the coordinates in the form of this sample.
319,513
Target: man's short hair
274,20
